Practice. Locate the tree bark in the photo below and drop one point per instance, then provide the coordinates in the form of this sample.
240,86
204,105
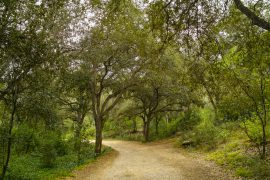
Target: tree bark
134,125
264,143
9,145
77,136
157,125
146,127
98,143
264,119
256,20
77,145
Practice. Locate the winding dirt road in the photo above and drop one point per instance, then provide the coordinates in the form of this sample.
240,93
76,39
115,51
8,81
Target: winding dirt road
153,161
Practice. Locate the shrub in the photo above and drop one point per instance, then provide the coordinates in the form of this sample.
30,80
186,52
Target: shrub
243,172
23,167
190,120
24,137
244,165
253,127
62,147
47,149
206,135
131,136
261,169
30,166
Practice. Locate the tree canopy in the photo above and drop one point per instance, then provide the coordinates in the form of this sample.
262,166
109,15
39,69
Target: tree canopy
71,70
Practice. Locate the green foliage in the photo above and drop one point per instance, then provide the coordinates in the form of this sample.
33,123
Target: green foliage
88,132
37,166
55,67
206,134
166,129
47,149
190,120
233,157
131,136
172,127
241,171
123,128
25,138
252,126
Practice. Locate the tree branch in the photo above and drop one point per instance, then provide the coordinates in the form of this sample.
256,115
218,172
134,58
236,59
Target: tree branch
256,20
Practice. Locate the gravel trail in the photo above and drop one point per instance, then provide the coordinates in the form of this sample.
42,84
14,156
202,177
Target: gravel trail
152,161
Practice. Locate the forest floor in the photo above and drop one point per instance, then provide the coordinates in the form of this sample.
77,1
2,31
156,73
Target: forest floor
151,161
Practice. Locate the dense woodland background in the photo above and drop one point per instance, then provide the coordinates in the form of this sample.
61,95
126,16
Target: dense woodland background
74,70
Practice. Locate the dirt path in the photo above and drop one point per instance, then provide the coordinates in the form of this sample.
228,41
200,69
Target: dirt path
153,161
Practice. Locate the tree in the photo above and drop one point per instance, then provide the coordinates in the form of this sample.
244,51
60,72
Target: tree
112,59
164,90
246,65
26,44
253,81
73,96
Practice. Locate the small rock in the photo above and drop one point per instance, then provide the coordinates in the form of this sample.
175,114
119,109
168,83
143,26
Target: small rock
187,143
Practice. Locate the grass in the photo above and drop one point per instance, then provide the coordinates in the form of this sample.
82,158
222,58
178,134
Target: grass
244,165
229,148
234,156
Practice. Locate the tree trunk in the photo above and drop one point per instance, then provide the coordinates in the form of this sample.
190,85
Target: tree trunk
134,123
28,145
157,125
146,127
98,143
11,122
77,145
264,119
264,143
77,135
213,103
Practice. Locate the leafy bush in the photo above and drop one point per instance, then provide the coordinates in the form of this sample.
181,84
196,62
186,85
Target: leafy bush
172,127
30,166
253,127
63,147
48,150
261,169
24,137
233,157
190,119
131,136
243,172
87,151
89,132
52,145
24,167
206,134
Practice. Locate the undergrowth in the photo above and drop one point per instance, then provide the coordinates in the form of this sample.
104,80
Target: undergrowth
234,157
31,167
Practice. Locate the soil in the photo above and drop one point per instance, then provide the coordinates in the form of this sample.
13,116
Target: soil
150,161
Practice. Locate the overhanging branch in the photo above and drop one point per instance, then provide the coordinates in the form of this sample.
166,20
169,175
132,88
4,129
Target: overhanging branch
256,20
